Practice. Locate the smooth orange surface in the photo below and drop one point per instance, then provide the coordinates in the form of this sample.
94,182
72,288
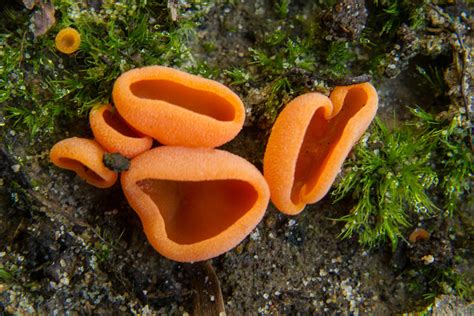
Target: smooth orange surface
84,156
310,140
68,40
177,108
195,203
113,133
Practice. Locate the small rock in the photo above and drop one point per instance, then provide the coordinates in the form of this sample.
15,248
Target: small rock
428,259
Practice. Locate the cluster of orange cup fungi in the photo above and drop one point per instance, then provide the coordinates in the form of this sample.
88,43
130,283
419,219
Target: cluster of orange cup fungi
196,202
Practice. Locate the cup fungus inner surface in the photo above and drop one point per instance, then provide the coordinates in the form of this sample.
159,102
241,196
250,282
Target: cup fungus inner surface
194,211
68,40
113,119
198,101
321,138
77,166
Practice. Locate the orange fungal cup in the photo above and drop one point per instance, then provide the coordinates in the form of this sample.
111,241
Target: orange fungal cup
84,156
114,134
195,203
68,40
177,108
310,140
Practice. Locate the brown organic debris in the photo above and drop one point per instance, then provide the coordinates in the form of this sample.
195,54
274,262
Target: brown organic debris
208,298
173,6
43,17
419,234
29,4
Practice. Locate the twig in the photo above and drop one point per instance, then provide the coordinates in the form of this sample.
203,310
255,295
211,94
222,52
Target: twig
208,300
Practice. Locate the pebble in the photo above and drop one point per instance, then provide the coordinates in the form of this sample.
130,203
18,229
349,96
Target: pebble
255,235
428,259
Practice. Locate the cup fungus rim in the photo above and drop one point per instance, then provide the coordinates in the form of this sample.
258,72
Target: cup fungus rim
89,154
111,139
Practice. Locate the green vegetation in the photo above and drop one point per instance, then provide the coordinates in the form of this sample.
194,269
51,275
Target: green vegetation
388,180
105,244
434,281
395,12
394,170
238,76
452,153
340,54
5,276
44,87
434,78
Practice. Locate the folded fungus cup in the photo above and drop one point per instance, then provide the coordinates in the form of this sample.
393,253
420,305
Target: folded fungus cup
310,140
85,157
195,203
115,135
177,108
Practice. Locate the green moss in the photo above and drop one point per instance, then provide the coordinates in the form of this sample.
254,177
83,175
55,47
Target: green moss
433,281
434,77
116,38
388,179
340,54
238,76
393,170
105,244
5,276
395,12
453,158
282,8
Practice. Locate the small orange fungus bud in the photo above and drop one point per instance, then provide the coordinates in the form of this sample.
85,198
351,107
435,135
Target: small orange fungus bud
418,234
310,140
84,156
195,203
115,135
177,108
68,40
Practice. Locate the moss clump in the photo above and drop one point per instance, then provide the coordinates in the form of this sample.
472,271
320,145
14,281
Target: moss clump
388,180
41,86
339,55
395,172
393,13
448,134
434,281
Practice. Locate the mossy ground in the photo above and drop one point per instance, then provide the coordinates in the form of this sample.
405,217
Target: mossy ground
66,246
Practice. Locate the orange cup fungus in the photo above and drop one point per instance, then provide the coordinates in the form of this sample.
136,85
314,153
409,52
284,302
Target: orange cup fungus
68,40
84,156
177,108
115,135
195,203
419,234
310,140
